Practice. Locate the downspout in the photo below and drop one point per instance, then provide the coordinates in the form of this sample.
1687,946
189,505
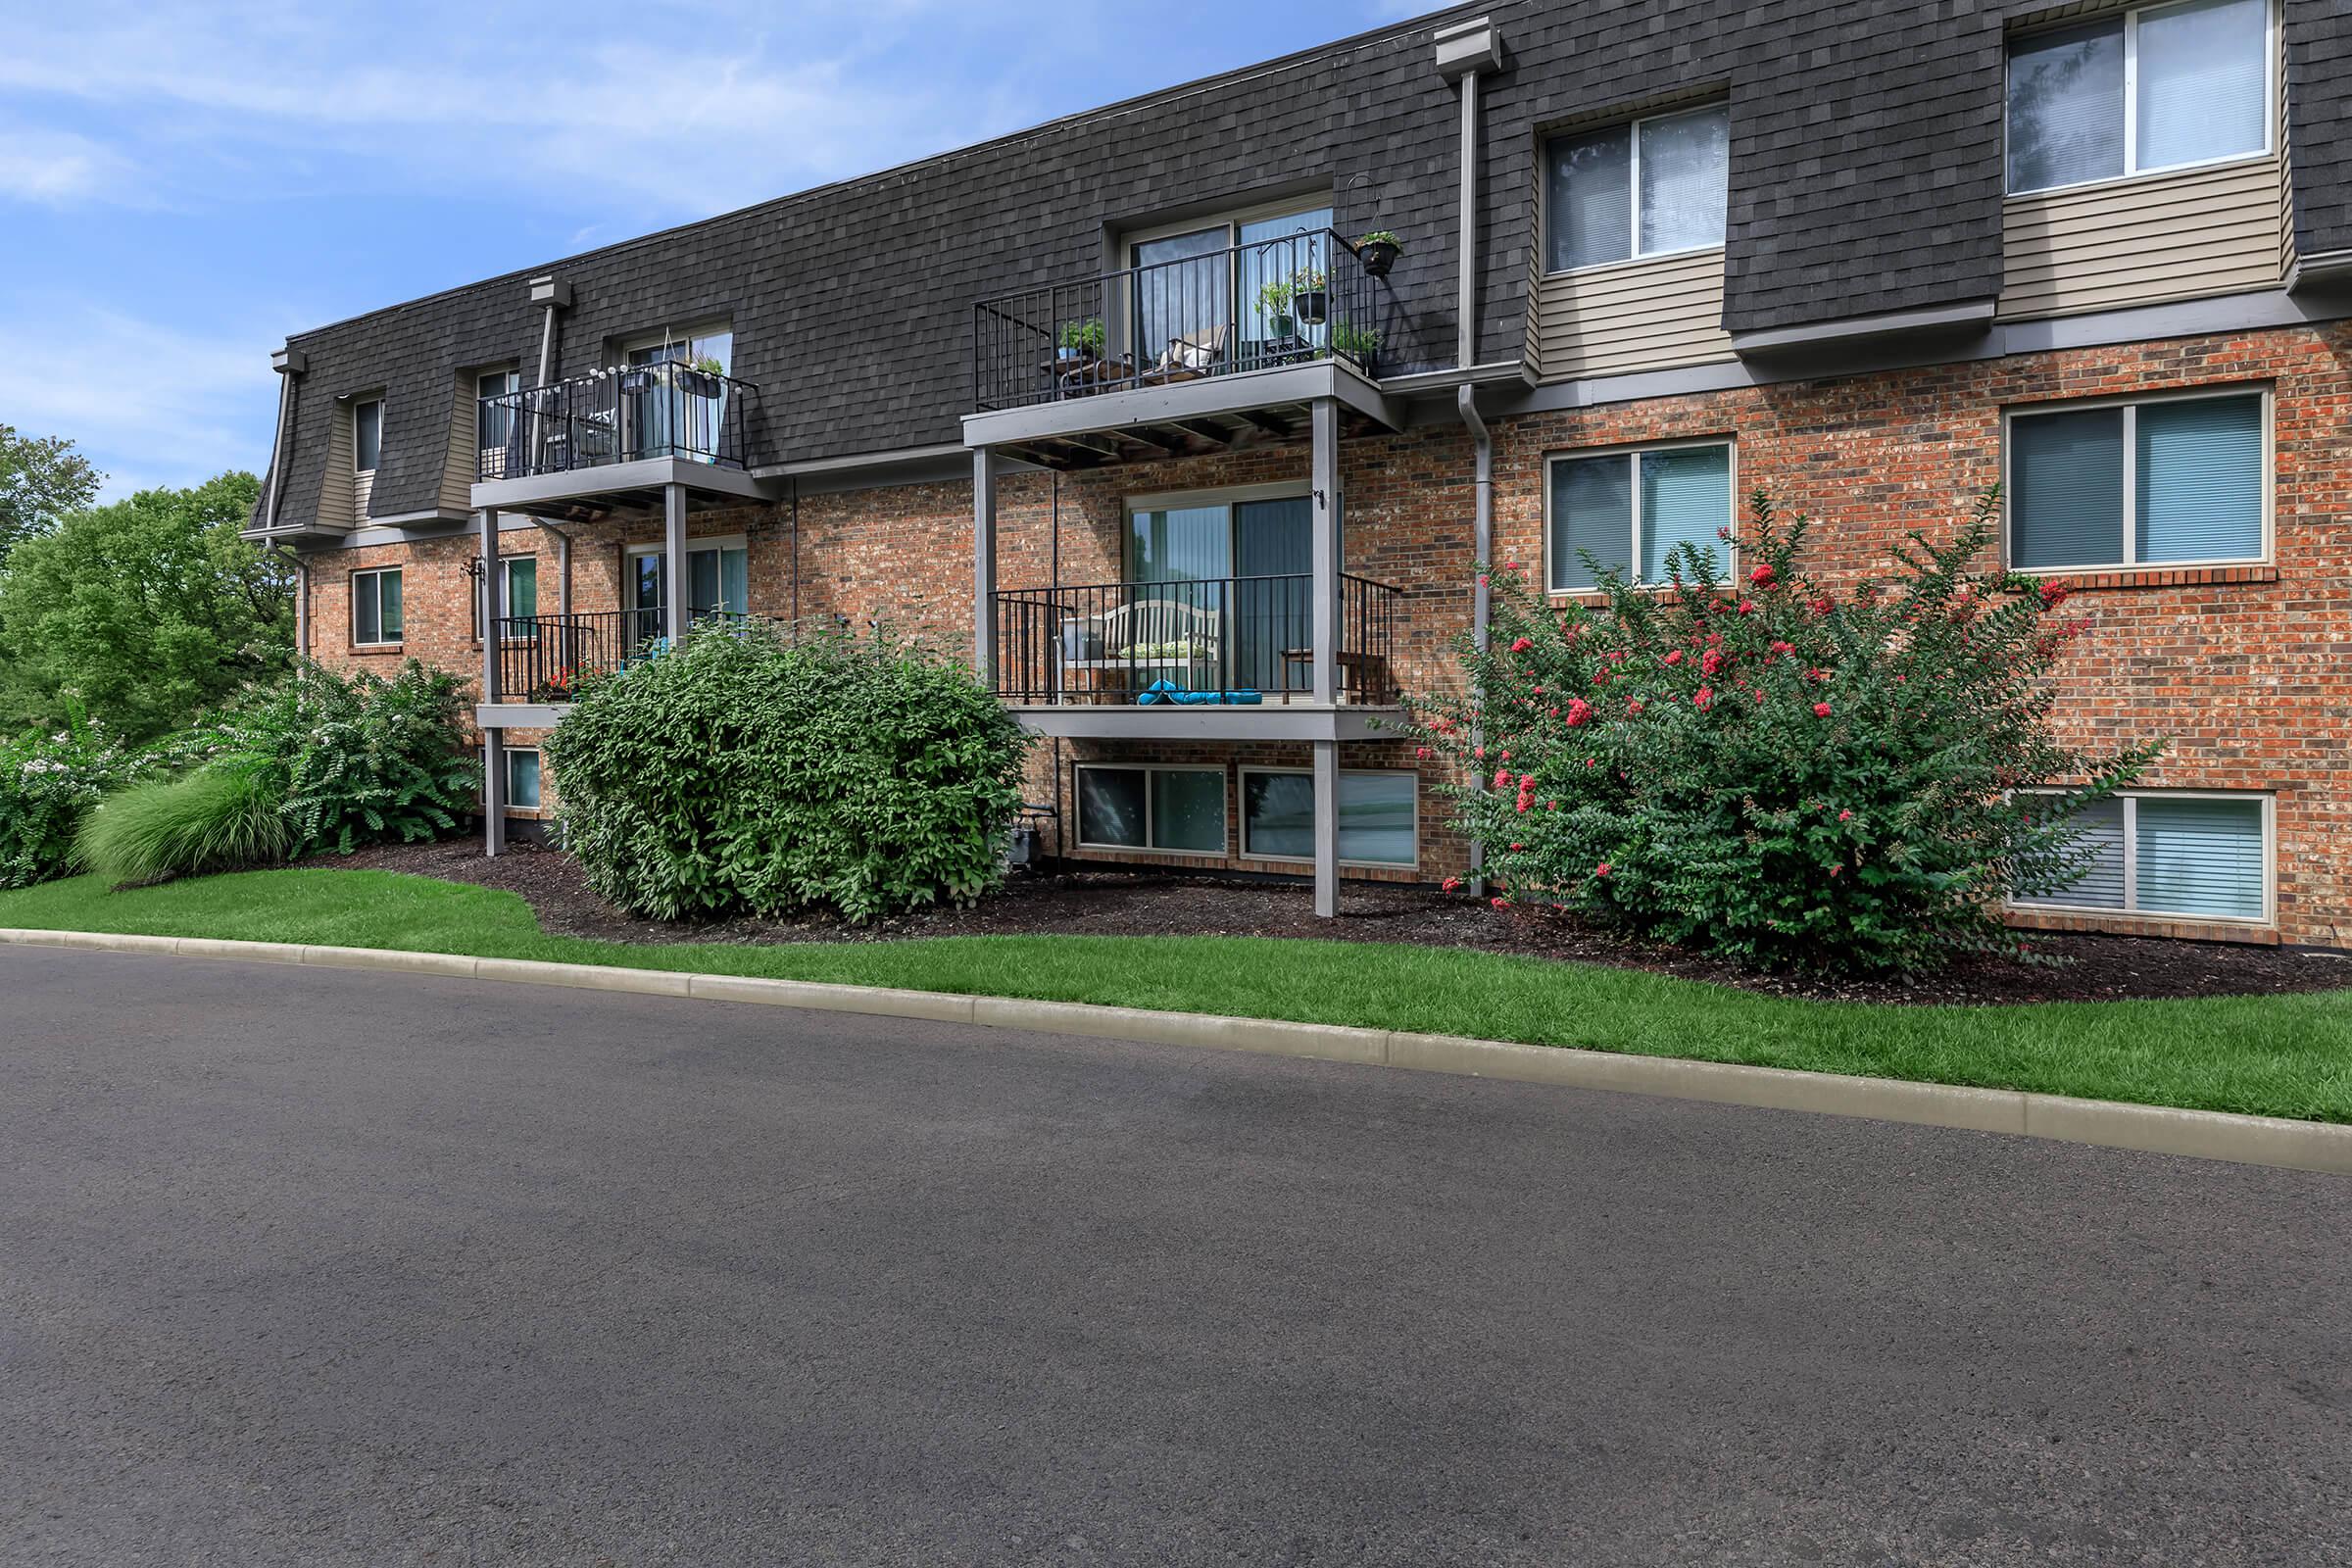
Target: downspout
1465,50
282,361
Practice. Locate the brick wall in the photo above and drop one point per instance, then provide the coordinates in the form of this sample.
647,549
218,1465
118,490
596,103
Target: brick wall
2242,670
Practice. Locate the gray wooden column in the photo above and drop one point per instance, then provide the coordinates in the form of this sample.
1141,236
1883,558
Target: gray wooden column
676,614
1327,828
984,565
1325,618
494,740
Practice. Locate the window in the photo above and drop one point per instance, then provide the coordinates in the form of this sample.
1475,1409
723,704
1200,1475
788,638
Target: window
718,582
375,607
1377,821
2170,482
518,589
1179,809
493,423
2205,857
367,434
1649,188
1627,510
523,780
2160,87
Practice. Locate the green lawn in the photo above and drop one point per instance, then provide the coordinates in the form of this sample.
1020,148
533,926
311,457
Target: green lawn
2273,1055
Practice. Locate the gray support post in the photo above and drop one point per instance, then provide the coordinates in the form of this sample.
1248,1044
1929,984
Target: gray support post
494,772
1325,617
676,614
1327,829
984,565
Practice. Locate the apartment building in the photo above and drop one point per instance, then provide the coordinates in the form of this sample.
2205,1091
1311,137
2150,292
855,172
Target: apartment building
1142,408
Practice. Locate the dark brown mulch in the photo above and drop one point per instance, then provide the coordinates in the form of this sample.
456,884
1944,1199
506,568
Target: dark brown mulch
1139,903
2095,969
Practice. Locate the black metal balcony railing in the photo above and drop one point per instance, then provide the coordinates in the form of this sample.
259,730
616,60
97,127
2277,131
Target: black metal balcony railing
668,410
543,659
1220,639
1288,301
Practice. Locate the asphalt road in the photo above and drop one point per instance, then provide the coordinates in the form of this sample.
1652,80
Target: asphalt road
310,1268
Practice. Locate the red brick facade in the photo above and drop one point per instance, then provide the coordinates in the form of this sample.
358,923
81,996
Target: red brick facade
2242,670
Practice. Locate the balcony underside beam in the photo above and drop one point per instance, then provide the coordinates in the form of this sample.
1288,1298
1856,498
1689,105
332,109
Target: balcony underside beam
1216,414
624,486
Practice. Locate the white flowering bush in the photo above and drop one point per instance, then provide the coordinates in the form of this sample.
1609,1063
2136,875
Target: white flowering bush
48,783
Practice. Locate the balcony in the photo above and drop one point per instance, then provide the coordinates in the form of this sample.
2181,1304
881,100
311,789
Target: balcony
1205,352
618,437
541,659
1212,655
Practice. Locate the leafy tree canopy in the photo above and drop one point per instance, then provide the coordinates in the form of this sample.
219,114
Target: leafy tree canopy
41,479
146,611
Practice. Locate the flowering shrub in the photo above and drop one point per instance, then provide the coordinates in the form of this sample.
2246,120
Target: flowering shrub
740,774
48,784
351,760
1772,771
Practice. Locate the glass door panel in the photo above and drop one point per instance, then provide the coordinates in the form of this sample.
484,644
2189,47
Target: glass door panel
1279,259
1273,559
646,581
1183,301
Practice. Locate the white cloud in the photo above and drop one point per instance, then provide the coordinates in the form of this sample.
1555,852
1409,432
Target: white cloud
150,404
62,169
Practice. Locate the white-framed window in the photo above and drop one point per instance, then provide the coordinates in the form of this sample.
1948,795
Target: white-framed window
1654,186
523,778
717,579
367,434
1628,507
493,423
375,607
2195,855
2174,480
518,589
1132,805
1244,287
2161,87
1378,815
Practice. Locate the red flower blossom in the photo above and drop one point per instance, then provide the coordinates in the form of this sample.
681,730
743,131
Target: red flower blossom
1747,607
1421,751
1579,711
1675,657
1521,646
1502,778
1482,579
1633,708
1821,710
1499,901
1602,869
1449,884
1762,576
1845,816
1779,646
1707,696
1836,870
1820,607
1710,661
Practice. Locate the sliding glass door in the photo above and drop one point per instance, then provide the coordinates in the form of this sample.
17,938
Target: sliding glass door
718,583
1240,570
1232,295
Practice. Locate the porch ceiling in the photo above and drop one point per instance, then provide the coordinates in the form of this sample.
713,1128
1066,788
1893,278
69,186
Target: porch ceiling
1190,418
584,494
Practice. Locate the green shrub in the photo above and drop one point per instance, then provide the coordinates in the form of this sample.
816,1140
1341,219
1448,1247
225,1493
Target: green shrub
354,760
739,774
48,784
1780,776
221,818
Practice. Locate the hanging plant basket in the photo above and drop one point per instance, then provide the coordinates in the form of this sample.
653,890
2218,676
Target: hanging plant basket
1379,255
698,384
1312,305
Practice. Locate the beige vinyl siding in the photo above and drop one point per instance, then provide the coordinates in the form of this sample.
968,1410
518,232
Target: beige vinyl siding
2199,231
1532,318
461,463
1650,314
340,502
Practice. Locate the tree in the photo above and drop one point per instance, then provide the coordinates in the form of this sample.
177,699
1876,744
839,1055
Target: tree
41,479
146,611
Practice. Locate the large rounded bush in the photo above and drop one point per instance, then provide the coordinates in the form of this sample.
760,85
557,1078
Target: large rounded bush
1772,771
742,773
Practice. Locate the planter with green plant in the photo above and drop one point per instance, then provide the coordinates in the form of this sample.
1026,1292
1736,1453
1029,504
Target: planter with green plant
702,377
1378,251
1080,340
1310,294
1274,304
1359,344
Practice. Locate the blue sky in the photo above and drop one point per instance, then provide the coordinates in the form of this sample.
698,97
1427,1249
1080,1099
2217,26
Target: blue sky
181,186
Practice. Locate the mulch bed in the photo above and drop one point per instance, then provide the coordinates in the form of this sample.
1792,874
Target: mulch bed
2094,969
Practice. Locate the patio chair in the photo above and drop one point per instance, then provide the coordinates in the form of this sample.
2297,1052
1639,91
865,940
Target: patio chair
1189,356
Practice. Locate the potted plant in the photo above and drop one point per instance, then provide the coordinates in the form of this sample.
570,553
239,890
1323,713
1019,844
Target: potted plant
1358,343
701,378
1378,251
1080,340
1274,304
1310,294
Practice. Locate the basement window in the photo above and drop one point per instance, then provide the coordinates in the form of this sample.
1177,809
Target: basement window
1179,810
2198,855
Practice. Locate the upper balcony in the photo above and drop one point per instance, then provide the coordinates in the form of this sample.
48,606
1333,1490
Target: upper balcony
1226,346
616,438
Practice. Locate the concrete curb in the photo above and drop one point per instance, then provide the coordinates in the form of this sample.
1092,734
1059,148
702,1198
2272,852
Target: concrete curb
2153,1129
